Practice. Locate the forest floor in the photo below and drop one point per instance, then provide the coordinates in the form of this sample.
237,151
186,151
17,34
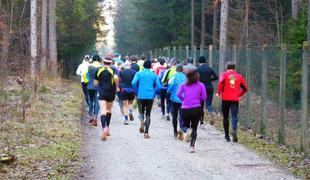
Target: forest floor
127,155
47,141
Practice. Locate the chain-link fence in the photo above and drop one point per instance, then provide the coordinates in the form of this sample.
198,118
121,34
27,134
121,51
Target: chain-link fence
277,103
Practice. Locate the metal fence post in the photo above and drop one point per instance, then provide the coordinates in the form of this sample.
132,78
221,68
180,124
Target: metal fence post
235,53
180,53
160,52
262,124
169,52
194,51
304,100
202,49
282,94
151,54
174,51
210,56
248,94
187,51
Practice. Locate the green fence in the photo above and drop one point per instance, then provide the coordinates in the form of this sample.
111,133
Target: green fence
276,104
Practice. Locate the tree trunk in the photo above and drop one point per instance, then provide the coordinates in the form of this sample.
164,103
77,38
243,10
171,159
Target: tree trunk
52,38
193,23
33,37
223,34
214,26
308,38
295,9
43,36
203,24
246,22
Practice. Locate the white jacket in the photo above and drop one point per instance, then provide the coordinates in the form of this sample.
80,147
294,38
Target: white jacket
82,68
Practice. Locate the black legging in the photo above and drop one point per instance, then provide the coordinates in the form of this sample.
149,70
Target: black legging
85,91
176,109
191,119
145,106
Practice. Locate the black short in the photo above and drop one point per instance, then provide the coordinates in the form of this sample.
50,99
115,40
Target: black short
109,97
124,96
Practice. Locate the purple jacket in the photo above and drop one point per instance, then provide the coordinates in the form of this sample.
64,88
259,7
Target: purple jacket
192,95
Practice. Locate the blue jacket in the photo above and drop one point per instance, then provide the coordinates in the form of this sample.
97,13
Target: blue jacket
146,83
174,84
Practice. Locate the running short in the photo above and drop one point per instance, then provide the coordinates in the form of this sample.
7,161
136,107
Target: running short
124,96
109,97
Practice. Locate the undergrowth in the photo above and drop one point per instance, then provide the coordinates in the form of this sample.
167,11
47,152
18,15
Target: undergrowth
47,143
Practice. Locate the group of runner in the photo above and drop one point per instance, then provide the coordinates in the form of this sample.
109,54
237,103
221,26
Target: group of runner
183,91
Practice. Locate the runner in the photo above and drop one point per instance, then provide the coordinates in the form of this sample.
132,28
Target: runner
173,86
82,68
145,84
231,87
192,93
207,75
107,80
93,89
127,94
134,65
163,93
161,66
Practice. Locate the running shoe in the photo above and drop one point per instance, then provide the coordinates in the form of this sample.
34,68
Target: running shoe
91,121
168,118
104,136
202,126
176,134
142,127
146,135
108,131
227,138
234,135
181,135
191,149
131,118
188,136
95,123
126,122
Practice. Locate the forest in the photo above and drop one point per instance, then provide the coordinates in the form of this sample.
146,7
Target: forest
143,25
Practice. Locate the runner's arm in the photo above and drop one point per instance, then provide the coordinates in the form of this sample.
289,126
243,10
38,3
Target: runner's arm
180,93
220,84
214,76
243,87
116,80
79,70
135,81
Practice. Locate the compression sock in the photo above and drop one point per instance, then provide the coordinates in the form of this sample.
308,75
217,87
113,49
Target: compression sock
108,119
103,121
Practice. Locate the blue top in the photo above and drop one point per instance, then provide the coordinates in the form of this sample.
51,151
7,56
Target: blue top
146,83
174,83
92,69
160,76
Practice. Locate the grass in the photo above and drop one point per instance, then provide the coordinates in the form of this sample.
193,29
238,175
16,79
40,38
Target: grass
296,162
47,143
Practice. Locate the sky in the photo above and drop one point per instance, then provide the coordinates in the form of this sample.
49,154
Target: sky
108,12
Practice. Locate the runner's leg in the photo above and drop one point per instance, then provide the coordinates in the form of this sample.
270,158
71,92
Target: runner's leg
148,109
225,110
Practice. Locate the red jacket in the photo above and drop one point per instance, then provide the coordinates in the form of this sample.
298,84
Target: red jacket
231,86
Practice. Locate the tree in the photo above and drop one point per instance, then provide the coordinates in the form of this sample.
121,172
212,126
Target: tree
193,23
52,43
295,9
33,37
44,36
308,28
223,33
203,24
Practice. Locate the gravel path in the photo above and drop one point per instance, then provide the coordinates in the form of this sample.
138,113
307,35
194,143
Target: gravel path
127,155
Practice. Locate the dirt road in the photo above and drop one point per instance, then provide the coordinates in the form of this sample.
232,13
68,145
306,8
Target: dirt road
127,155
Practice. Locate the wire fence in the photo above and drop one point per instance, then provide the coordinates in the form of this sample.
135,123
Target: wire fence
277,103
